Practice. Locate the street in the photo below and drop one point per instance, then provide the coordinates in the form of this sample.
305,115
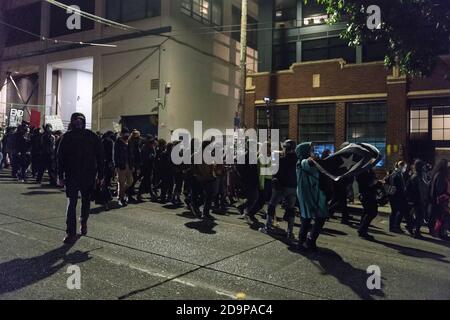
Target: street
151,251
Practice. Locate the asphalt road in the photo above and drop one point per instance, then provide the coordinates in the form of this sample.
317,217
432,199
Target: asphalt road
149,251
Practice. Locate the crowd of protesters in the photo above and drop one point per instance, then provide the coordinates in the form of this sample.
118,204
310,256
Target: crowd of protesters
133,168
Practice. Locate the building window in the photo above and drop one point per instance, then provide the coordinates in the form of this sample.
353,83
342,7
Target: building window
314,13
252,26
328,48
316,124
278,118
441,123
27,18
374,51
58,17
132,10
285,17
419,120
284,56
208,12
366,122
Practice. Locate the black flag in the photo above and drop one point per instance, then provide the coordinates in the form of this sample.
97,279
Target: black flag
349,161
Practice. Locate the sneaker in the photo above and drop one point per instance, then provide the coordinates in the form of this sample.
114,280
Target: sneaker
83,229
264,230
418,236
290,236
122,203
70,239
365,236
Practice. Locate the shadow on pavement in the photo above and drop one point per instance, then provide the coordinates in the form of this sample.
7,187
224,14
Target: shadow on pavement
202,226
413,252
39,193
20,273
332,264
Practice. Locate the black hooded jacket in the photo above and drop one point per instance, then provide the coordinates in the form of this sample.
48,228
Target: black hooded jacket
287,173
80,157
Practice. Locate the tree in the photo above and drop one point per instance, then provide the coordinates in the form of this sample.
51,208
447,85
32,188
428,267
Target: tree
413,32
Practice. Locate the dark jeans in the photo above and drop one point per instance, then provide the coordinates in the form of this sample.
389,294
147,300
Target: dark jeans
339,202
251,195
24,163
72,190
147,182
209,189
400,211
15,164
167,183
370,211
315,231
46,163
289,195
263,197
419,214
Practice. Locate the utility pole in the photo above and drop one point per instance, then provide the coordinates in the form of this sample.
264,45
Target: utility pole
243,61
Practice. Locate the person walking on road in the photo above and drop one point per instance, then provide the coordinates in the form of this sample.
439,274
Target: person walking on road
123,166
80,162
312,199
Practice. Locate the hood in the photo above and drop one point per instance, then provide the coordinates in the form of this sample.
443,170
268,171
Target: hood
303,150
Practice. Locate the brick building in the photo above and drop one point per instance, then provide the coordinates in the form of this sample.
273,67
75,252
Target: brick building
323,91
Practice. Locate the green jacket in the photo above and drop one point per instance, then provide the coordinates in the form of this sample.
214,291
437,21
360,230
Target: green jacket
313,202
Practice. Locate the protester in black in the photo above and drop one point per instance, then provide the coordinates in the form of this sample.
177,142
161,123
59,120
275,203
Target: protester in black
439,198
418,196
398,200
35,151
79,164
367,182
148,165
46,155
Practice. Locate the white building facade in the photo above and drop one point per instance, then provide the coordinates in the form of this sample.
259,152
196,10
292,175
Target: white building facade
180,66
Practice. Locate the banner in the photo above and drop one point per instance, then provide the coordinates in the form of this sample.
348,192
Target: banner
35,119
56,122
349,162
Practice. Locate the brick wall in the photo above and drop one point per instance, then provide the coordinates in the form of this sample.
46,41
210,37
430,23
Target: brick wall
334,80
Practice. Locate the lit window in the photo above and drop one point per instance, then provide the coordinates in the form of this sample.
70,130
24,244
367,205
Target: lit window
419,121
441,123
366,122
208,12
